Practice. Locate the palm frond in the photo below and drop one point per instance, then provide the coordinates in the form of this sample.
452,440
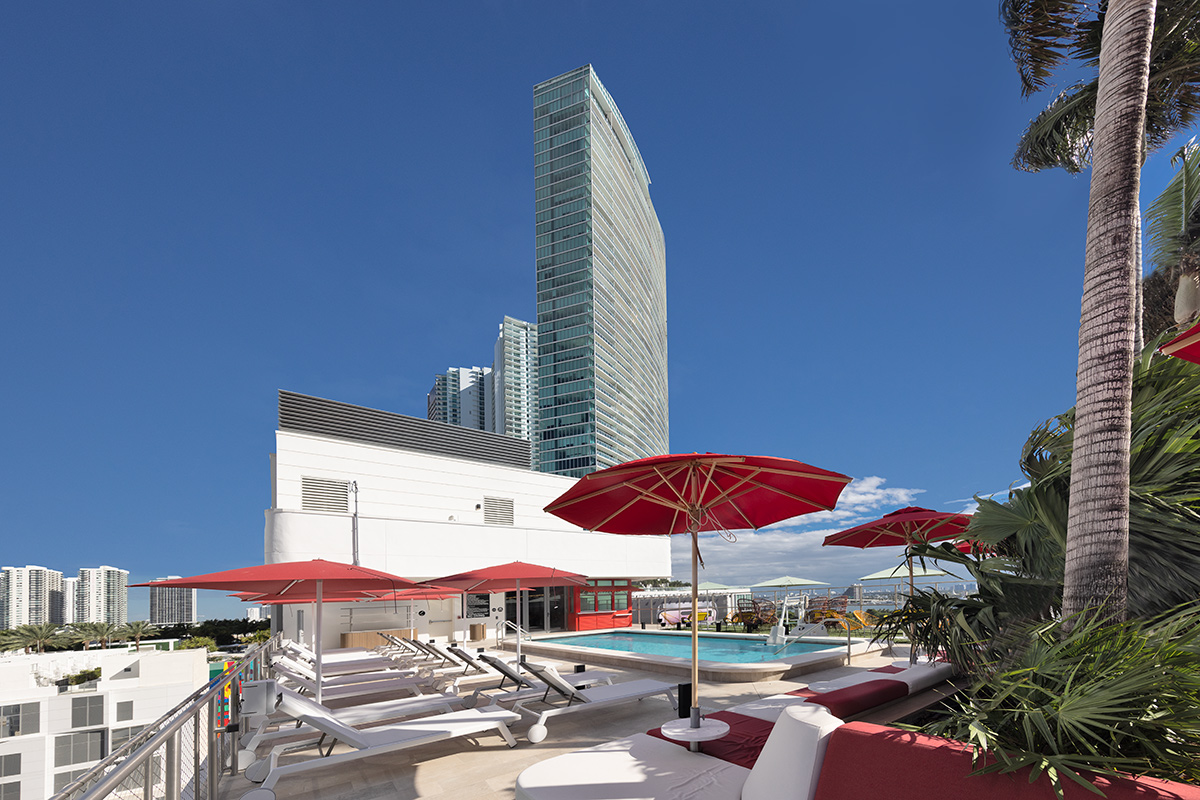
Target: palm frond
1173,219
1040,35
1060,136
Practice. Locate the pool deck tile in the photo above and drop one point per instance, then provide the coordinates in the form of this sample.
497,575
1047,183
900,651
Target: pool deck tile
485,769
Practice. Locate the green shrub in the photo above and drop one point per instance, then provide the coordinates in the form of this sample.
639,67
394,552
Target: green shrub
83,677
194,642
1108,698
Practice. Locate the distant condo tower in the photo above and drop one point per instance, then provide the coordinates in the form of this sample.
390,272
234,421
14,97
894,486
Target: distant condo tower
172,605
601,284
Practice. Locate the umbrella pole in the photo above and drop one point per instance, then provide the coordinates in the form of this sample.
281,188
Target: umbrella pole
695,633
518,625
317,636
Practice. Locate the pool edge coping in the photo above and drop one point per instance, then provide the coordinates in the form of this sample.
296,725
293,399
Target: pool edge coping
716,671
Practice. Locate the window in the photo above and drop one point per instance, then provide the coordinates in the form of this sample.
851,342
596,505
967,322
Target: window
64,779
17,720
122,735
11,791
10,765
87,711
124,710
604,595
78,748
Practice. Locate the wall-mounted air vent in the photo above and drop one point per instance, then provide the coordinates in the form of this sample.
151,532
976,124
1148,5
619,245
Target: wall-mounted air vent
322,494
498,511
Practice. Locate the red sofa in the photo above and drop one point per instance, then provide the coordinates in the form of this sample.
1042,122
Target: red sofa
864,760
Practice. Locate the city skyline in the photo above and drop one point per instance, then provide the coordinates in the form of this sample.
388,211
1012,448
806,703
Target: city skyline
337,200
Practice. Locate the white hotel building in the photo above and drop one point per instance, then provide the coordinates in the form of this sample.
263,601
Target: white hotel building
423,499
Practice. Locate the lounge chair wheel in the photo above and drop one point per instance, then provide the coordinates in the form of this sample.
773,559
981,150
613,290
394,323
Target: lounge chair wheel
470,701
259,794
536,733
245,758
258,771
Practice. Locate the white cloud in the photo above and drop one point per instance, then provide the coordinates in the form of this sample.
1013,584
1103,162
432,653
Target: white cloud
793,547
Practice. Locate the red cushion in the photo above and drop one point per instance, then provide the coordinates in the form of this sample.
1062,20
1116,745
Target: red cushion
851,700
889,669
864,760
740,746
803,693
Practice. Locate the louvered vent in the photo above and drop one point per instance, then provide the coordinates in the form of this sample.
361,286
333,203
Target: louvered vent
322,494
498,511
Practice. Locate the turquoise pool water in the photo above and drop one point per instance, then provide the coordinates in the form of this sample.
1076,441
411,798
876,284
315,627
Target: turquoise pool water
712,648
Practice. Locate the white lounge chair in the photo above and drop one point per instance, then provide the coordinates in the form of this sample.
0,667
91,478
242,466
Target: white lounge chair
642,767
527,688
363,714
307,671
579,699
330,691
370,741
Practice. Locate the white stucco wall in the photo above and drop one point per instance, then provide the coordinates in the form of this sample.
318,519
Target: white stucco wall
417,517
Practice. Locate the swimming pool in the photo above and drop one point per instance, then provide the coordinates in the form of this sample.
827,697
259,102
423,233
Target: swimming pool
724,657
711,648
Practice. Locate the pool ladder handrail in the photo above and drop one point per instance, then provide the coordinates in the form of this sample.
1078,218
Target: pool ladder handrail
504,626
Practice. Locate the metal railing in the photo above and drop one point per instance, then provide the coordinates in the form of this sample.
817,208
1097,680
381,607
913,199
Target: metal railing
182,755
504,626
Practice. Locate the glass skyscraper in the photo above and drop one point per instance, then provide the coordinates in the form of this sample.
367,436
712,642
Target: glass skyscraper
601,284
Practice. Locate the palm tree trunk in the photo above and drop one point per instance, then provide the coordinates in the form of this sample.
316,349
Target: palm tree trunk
1097,556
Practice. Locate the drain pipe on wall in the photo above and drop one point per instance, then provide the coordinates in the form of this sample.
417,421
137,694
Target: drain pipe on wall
354,525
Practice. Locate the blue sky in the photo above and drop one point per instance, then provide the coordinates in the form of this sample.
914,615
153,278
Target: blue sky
203,203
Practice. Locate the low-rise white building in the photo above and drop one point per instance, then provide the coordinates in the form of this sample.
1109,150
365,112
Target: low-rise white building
422,499
51,734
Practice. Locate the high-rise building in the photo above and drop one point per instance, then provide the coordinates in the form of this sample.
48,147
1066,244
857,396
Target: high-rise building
102,595
601,284
70,595
514,380
460,397
29,595
172,605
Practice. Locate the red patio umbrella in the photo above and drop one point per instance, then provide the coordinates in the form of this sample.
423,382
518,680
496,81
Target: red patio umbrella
295,579
509,578
689,493
903,527
1186,345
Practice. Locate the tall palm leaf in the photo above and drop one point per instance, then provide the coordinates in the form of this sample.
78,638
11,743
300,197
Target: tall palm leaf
37,636
1173,228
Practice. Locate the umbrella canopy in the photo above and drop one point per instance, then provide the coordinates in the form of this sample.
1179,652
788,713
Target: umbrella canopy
903,527
1186,345
899,571
689,493
786,581
515,576
710,586
293,579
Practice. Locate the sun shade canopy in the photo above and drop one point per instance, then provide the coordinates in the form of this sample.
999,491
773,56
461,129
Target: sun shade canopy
510,577
902,528
295,578
704,492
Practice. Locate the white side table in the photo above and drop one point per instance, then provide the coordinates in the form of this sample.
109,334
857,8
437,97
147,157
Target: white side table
681,730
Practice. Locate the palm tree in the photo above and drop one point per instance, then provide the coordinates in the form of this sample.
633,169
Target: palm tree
138,629
1040,32
100,632
38,636
1173,226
